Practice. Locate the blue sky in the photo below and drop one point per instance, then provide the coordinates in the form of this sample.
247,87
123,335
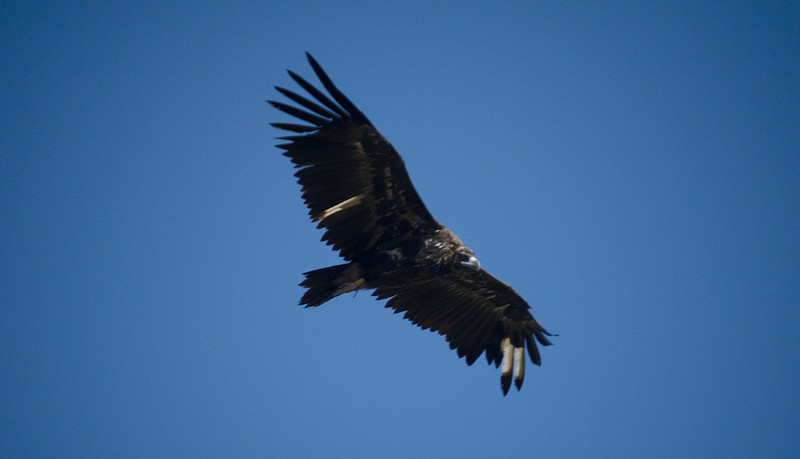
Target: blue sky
632,169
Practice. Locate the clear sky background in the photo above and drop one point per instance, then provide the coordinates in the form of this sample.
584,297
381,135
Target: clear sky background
632,168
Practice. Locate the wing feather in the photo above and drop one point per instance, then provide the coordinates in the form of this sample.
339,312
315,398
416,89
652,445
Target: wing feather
293,127
297,113
475,312
317,94
338,96
353,181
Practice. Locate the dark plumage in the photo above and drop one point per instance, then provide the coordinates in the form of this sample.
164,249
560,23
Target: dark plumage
356,186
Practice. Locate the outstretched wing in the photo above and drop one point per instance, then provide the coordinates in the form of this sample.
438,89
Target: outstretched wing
477,313
353,181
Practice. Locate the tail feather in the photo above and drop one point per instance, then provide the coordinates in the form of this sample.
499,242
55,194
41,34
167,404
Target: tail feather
326,283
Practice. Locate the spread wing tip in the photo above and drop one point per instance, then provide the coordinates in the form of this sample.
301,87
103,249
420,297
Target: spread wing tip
540,336
338,96
329,110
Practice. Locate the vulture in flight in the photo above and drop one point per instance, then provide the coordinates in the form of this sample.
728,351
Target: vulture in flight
356,187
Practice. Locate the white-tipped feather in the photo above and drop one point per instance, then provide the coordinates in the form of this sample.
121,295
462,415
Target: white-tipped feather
508,361
519,366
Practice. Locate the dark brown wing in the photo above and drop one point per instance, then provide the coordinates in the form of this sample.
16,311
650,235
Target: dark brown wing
477,313
353,181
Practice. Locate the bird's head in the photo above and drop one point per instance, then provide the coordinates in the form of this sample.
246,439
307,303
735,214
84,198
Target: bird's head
465,259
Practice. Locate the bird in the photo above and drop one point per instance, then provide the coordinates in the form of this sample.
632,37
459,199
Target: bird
356,187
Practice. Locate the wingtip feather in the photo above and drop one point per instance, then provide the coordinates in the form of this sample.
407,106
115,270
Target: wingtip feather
505,383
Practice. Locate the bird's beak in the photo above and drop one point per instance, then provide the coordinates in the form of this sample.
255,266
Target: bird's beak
472,264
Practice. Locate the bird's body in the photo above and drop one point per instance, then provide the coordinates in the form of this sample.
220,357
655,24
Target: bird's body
399,263
356,186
